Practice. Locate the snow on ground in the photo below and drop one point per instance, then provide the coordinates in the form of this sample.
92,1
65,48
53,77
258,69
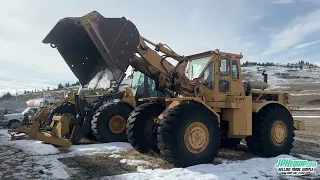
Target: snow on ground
114,147
289,76
313,117
46,156
133,162
255,168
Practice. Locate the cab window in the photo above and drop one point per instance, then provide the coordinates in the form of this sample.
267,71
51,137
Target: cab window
208,75
196,66
235,70
224,67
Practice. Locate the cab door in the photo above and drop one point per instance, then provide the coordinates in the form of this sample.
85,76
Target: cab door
236,83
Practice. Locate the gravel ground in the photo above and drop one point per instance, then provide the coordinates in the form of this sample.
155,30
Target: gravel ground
16,164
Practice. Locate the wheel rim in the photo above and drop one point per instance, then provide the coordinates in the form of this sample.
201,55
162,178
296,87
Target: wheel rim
150,130
278,133
196,137
117,124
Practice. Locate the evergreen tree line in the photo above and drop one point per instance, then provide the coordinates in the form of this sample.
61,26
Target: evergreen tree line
8,95
292,65
60,86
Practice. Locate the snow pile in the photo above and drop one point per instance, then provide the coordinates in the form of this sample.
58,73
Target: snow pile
101,80
115,156
255,168
33,147
282,75
133,162
114,147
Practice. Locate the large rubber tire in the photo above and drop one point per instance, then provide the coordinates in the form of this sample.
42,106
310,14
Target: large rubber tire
101,122
61,109
171,135
260,143
141,128
230,143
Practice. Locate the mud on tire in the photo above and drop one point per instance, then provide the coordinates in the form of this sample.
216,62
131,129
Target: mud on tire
108,123
175,146
263,140
141,128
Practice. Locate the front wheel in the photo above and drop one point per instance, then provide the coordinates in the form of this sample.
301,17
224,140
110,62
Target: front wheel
189,135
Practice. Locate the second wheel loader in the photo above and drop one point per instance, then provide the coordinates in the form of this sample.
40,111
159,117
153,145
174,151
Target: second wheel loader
104,116
211,107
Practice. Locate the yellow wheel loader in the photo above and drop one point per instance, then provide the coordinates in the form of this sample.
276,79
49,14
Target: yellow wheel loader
105,115
211,108
39,122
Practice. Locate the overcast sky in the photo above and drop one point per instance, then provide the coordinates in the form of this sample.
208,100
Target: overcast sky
263,30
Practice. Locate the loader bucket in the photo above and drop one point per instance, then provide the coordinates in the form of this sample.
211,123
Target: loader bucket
92,43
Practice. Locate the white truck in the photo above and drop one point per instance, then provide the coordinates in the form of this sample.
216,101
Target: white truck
33,106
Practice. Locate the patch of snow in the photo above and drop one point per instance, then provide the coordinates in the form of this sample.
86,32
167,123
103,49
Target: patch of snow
309,90
115,156
90,149
306,94
307,140
309,158
52,167
133,162
274,75
306,117
101,80
33,147
255,168
302,109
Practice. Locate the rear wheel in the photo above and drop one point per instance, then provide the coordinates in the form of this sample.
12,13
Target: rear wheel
189,135
273,132
141,128
109,122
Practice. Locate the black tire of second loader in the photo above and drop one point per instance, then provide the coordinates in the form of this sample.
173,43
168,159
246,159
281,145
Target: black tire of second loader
109,122
141,128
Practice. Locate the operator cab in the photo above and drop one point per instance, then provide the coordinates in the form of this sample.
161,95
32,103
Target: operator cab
143,86
219,70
